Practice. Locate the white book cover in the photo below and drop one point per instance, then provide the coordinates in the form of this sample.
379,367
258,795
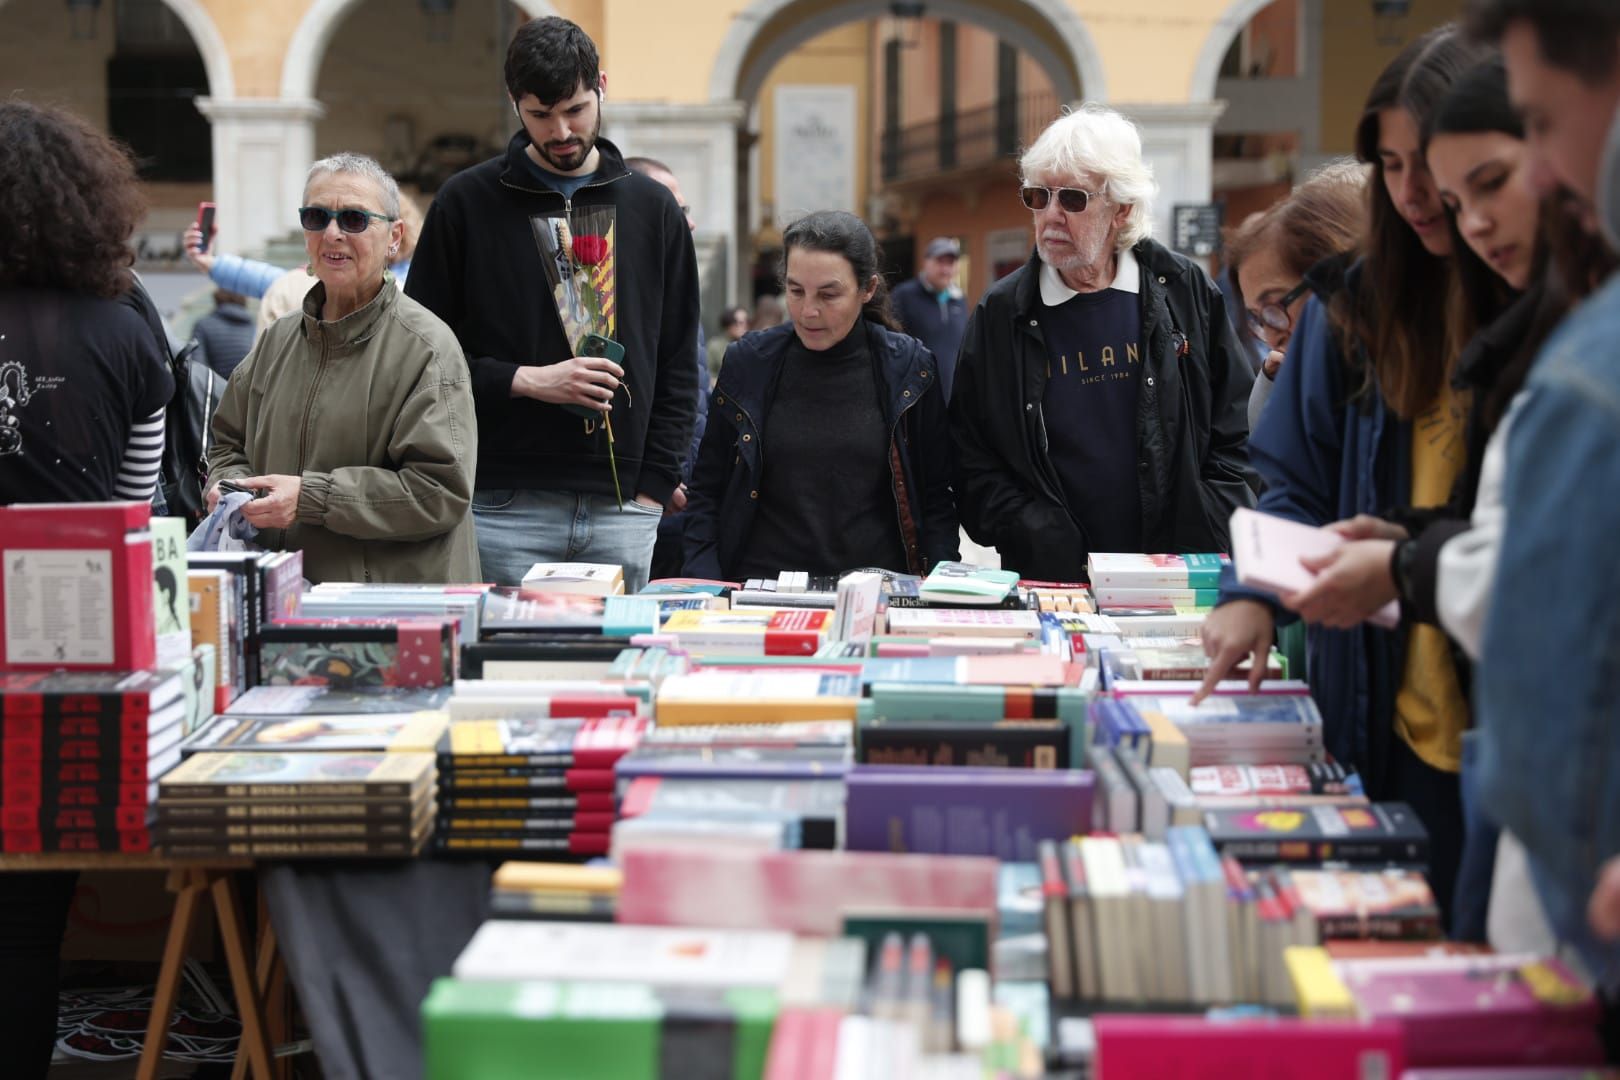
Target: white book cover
856,610
508,949
1134,570
1268,549
587,579
960,622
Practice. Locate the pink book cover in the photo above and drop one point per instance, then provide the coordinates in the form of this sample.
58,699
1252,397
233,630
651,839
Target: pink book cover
1267,551
1493,1011
804,1045
1191,1048
802,891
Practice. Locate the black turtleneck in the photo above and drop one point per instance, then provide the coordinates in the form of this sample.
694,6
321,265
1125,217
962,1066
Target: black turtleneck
826,496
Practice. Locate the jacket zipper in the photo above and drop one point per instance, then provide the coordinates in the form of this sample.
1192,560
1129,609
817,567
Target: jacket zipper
894,430
309,403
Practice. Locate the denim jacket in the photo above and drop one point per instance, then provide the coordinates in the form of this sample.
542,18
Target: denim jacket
1327,453
1548,689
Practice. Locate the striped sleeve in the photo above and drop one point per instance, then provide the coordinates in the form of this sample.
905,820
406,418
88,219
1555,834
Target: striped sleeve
143,457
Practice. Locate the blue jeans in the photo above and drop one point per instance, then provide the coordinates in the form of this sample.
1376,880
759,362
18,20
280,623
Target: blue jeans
518,528
1472,897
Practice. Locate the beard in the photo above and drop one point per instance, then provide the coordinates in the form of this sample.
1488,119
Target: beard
579,149
1072,254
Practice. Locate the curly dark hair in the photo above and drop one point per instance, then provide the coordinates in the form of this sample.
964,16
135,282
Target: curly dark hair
69,202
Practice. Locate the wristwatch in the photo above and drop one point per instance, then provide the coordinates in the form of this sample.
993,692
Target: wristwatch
1400,568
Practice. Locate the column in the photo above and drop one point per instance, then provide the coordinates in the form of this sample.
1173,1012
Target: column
263,148
699,144
1177,141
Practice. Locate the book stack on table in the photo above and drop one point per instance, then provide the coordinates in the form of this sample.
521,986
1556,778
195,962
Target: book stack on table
80,755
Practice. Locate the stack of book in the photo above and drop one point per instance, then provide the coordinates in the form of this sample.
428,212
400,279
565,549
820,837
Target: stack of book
757,696
1224,729
751,633
556,891
353,600
285,805
531,786
80,755
1012,711
268,586
1490,1012
1133,920
579,579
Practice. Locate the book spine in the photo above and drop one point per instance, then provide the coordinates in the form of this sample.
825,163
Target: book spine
129,842
269,792
315,809
1007,746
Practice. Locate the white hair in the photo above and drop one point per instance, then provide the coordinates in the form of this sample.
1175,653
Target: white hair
358,165
1097,141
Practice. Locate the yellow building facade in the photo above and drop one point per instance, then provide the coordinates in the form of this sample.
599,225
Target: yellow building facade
758,105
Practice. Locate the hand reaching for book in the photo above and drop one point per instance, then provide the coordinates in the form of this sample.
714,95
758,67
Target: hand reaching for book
590,381
1234,632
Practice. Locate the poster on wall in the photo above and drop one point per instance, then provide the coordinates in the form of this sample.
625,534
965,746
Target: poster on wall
1006,250
815,150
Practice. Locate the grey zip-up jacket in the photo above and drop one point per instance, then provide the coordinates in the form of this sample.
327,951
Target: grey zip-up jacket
375,415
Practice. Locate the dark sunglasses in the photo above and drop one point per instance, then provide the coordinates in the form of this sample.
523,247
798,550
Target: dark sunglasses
1275,315
317,218
1072,200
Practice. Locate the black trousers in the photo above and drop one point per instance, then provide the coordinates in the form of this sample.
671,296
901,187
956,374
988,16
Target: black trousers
33,916
1436,797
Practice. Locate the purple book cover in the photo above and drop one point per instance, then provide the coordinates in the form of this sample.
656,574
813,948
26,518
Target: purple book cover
965,811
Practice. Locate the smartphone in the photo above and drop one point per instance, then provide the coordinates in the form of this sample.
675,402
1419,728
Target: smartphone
205,223
232,485
608,349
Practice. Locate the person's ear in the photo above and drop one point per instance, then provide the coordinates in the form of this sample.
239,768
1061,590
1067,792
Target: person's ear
396,238
601,86
871,289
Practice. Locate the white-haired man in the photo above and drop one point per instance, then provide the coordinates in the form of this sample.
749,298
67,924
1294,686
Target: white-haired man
1100,392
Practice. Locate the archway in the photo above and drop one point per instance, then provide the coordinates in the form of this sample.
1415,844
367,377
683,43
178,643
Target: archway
1045,37
305,52
768,30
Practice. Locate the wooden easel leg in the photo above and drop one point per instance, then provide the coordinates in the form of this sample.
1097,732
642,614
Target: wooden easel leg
270,975
188,887
249,1004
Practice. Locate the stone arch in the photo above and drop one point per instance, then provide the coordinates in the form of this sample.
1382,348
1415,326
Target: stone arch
1207,71
210,45
302,65
769,30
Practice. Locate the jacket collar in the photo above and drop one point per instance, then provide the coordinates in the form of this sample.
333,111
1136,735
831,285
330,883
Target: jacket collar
517,174
354,328
760,355
1152,260
1496,346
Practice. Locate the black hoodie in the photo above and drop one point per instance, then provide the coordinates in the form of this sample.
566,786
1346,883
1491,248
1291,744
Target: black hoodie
478,267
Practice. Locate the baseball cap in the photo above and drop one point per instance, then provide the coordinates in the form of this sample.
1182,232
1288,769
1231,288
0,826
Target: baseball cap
942,247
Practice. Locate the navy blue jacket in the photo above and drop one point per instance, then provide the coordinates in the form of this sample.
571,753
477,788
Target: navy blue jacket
1327,454
940,327
724,491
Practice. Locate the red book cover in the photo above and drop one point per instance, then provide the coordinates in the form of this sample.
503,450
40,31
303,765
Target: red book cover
795,633
604,739
804,1044
128,841
36,819
76,586
1192,1048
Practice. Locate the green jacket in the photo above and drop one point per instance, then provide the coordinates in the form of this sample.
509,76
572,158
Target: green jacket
374,414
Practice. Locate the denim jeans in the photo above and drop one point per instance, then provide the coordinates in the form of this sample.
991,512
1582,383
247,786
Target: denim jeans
518,528
1472,896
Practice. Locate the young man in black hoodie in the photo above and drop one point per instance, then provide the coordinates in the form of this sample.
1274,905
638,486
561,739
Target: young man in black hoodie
546,484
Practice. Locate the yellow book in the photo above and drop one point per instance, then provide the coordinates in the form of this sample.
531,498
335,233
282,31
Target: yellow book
1169,743
720,696
1321,994
558,877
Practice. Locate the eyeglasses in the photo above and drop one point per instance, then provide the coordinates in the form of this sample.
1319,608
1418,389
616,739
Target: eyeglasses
316,218
1275,315
1072,200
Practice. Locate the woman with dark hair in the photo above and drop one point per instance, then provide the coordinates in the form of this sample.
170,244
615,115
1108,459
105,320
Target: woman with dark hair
826,447
1364,423
83,385
1520,269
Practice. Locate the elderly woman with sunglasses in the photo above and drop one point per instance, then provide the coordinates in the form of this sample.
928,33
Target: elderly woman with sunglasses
353,424
1272,255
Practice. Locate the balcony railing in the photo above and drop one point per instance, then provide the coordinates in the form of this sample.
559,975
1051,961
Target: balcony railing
966,140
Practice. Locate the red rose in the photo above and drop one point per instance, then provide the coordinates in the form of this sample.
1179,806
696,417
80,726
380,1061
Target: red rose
590,250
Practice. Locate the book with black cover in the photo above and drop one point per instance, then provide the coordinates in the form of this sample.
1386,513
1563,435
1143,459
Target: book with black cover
1382,832
530,743
1010,744
563,802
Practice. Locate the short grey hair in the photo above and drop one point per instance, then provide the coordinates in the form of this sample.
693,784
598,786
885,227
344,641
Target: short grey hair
1101,142
358,165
